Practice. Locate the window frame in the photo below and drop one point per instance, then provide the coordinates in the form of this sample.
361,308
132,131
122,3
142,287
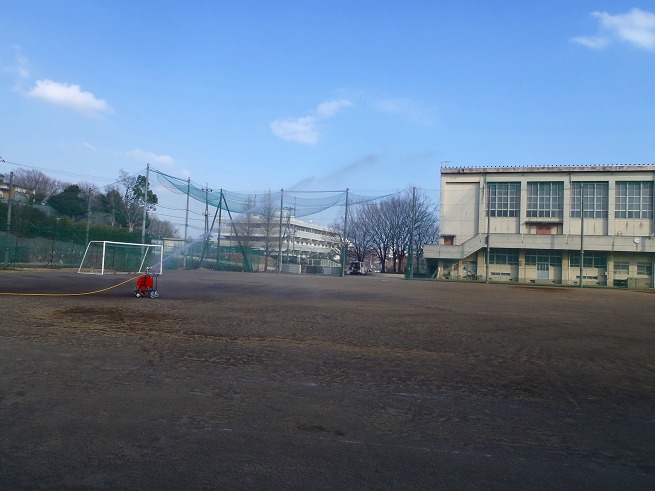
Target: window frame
622,267
596,199
545,199
633,200
504,200
503,257
592,259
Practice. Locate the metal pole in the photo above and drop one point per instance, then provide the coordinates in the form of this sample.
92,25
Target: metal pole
145,206
582,212
344,259
186,220
279,251
410,270
486,272
8,225
218,235
88,217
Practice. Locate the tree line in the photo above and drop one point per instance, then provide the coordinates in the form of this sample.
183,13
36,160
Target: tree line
120,206
390,229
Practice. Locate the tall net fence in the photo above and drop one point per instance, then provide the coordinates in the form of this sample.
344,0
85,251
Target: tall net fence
303,203
215,228
39,252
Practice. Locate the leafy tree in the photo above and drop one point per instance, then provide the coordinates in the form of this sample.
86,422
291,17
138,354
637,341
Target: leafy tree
112,204
132,192
70,202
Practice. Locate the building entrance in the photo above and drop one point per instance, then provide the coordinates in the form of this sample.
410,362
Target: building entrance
543,271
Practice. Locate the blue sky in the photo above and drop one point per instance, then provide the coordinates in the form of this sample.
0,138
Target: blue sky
314,95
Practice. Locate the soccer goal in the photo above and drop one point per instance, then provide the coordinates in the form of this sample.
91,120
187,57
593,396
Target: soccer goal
106,257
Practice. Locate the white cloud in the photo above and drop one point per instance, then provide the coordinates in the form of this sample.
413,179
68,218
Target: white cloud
592,42
329,109
405,108
305,129
636,27
20,66
300,130
150,158
69,95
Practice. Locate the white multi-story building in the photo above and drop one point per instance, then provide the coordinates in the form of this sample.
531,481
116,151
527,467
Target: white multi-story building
298,241
547,224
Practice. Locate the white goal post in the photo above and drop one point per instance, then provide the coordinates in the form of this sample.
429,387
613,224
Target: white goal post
107,257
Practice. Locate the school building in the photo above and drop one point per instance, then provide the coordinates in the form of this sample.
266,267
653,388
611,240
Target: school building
553,225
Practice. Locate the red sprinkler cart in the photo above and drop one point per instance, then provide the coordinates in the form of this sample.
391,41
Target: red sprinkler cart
146,285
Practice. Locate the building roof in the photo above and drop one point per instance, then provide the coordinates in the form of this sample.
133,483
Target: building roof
549,168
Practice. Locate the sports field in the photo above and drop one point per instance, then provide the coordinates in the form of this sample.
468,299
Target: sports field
269,381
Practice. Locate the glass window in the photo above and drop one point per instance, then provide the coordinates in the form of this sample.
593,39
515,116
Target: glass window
644,268
620,267
553,258
595,199
504,256
545,199
592,259
504,199
634,199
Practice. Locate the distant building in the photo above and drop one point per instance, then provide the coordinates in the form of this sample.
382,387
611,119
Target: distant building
540,221
20,194
301,246
301,242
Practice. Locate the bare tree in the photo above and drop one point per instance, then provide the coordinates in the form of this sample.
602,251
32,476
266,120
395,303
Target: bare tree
359,233
389,225
426,225
43,186
269,222
380,237
245,225
162,228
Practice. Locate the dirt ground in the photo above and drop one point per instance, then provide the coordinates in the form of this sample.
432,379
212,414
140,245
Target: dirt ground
269,381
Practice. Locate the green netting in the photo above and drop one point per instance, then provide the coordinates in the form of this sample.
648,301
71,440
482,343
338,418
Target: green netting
39,252
223,258
304,203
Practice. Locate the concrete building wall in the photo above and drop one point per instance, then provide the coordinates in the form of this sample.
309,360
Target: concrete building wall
466,227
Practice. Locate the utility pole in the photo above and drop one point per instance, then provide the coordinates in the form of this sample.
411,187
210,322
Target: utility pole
145,207
8,226
409,274
486,278
207,191
344,259
218,235
279,252
581,232
186,220
88,216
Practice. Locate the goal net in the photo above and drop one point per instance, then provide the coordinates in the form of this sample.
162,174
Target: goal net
106,257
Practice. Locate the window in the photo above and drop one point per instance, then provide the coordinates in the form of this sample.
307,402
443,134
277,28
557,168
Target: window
592,259
620,267
552,258
634,199
595,202
504,199
644,269
545,199
504,256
